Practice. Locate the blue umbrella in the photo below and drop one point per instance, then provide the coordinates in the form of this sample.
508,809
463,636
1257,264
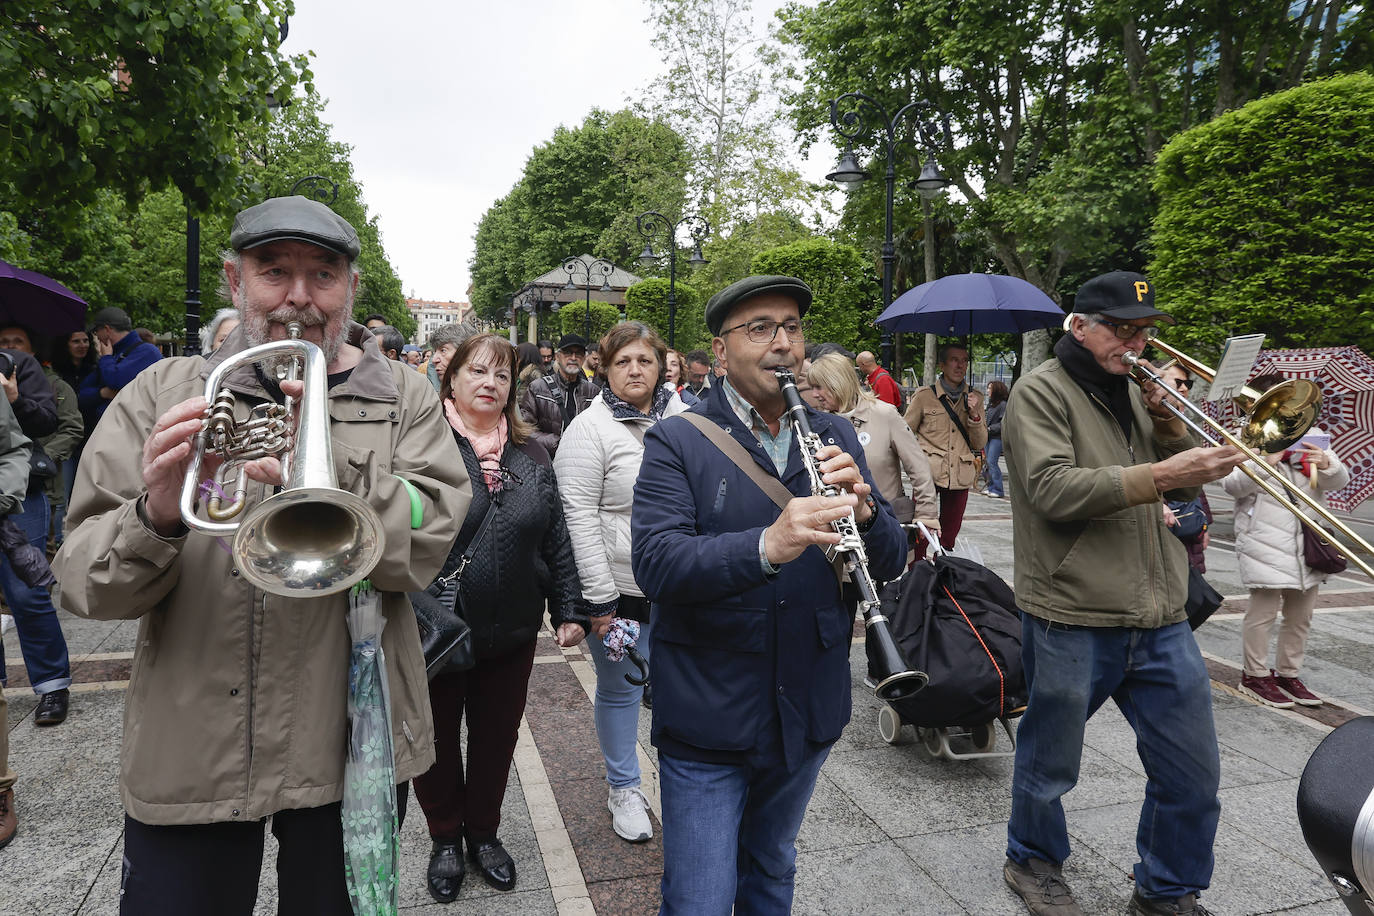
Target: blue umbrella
961,304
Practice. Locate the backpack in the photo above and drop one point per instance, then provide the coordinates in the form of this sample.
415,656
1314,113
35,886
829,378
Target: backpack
958,622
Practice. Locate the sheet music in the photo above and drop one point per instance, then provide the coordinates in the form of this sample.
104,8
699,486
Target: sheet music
1237,358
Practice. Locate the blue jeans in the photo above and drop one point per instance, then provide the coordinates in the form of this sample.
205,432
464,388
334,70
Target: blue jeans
1159,682
35,619
617,711
704,806
994,469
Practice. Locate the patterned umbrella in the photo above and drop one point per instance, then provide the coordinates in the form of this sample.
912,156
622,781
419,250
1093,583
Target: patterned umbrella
1346,377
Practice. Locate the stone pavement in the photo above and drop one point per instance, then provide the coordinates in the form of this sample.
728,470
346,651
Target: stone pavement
890,829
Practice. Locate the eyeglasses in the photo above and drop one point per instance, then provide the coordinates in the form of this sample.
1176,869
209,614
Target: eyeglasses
763,331
1125,331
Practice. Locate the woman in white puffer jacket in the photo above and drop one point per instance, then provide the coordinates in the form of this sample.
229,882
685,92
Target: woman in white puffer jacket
597,464
1269,549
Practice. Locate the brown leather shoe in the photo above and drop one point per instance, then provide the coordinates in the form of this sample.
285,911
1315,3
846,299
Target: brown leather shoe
9,824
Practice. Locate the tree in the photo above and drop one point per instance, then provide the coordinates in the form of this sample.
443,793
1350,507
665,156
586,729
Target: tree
134,95
718,94
577,317
647,301
1266,220
579,193
841,279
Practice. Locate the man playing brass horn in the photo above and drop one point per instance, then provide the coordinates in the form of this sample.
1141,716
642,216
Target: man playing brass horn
1102,585
237,701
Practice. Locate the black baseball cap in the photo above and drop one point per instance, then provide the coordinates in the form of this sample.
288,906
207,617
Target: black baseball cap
724,302
572,340
1120,294
297,219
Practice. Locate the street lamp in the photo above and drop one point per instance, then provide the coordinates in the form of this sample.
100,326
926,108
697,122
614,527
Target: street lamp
651,223
863,116
576,263
532,299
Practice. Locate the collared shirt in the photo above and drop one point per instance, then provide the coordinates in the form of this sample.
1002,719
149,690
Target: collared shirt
777,446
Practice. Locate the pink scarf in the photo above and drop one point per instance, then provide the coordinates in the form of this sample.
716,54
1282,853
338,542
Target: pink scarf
487,446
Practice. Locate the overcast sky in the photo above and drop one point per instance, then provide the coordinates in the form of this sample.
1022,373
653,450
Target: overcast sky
443,101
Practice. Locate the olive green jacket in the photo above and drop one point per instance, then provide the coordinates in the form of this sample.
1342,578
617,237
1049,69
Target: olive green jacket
1090,544
71,429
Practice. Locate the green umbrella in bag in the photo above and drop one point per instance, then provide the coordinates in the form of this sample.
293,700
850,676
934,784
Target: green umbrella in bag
371,845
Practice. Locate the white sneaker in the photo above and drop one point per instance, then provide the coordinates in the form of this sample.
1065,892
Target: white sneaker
6,624
630,814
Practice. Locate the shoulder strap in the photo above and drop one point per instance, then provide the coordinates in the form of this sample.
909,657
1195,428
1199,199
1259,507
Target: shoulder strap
959,424
457,572
771,486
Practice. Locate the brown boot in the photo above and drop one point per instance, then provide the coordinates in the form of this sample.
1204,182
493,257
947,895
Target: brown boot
9,824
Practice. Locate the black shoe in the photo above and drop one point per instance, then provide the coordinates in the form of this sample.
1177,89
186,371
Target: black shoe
52,708
1187,905
648,699
446,871
494,863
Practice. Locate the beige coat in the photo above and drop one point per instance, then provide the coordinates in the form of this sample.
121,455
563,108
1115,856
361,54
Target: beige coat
889,447
952,462
237,700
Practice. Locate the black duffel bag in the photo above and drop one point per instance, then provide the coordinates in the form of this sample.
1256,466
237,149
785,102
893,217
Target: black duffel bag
958,622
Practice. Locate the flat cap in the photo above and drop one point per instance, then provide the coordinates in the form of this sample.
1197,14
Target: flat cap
1120,294
725,301
297,219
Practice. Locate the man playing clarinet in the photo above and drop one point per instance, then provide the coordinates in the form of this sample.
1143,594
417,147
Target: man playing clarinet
751,653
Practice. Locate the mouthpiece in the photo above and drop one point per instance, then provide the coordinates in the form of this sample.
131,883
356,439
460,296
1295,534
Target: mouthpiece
1130,357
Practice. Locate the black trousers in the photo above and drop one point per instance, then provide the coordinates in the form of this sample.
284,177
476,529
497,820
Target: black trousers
213,869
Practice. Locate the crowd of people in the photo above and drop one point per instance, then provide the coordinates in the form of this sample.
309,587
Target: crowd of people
656,505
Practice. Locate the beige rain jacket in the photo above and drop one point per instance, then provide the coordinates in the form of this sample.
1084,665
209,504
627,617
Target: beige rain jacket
953,465
237,700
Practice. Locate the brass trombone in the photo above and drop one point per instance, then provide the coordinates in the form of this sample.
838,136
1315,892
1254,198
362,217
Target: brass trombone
1274,420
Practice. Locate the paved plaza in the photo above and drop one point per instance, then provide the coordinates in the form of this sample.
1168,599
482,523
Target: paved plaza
890,830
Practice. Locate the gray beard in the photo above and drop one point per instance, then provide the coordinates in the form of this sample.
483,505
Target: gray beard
258,328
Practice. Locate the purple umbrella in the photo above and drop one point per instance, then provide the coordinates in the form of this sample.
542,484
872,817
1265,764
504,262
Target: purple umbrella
39,303
961,304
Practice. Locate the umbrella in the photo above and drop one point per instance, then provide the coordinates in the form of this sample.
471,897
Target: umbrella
39,302
1346,377
621,641
371,848
961,304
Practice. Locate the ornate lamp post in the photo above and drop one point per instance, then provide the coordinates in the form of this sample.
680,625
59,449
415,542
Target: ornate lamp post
575,264
531,300
651,224
863,115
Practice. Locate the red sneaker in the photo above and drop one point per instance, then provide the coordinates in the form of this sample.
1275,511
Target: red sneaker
1297,690
1266,690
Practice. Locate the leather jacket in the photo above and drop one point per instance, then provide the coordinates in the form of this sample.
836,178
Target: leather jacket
524,556
542,405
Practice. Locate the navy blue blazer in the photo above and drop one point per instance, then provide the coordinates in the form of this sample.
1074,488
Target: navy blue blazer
741,660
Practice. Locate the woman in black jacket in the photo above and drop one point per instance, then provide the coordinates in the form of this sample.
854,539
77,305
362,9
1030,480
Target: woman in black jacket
524,551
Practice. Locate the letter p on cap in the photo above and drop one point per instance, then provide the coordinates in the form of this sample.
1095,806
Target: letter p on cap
1141,288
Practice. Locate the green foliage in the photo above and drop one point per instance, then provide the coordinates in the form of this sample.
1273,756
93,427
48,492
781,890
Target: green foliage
647,301
576,318
579,194
847,296
1266,220
134,94
134,255
729,253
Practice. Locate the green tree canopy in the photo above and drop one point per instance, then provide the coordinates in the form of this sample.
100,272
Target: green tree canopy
647,301
133,95
580,193
1266,220
846,293
577,318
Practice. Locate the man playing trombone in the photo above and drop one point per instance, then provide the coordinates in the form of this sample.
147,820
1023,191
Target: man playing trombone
1102,585
236,706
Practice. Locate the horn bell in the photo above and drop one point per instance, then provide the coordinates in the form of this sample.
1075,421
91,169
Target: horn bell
309,541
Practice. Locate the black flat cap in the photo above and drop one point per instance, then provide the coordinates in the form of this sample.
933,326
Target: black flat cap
568,341
1119,294
725,301
297,219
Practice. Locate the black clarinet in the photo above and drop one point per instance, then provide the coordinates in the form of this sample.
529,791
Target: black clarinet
895,680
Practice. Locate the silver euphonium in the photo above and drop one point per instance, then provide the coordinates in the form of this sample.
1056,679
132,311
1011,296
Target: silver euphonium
311,538
894,681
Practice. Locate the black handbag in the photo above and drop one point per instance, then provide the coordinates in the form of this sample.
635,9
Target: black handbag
445,636
1203,600
1192,521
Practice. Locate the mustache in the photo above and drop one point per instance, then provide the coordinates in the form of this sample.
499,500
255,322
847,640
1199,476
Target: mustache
306,319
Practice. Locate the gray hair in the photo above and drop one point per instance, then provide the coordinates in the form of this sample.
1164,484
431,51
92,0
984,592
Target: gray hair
211,327
453,333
